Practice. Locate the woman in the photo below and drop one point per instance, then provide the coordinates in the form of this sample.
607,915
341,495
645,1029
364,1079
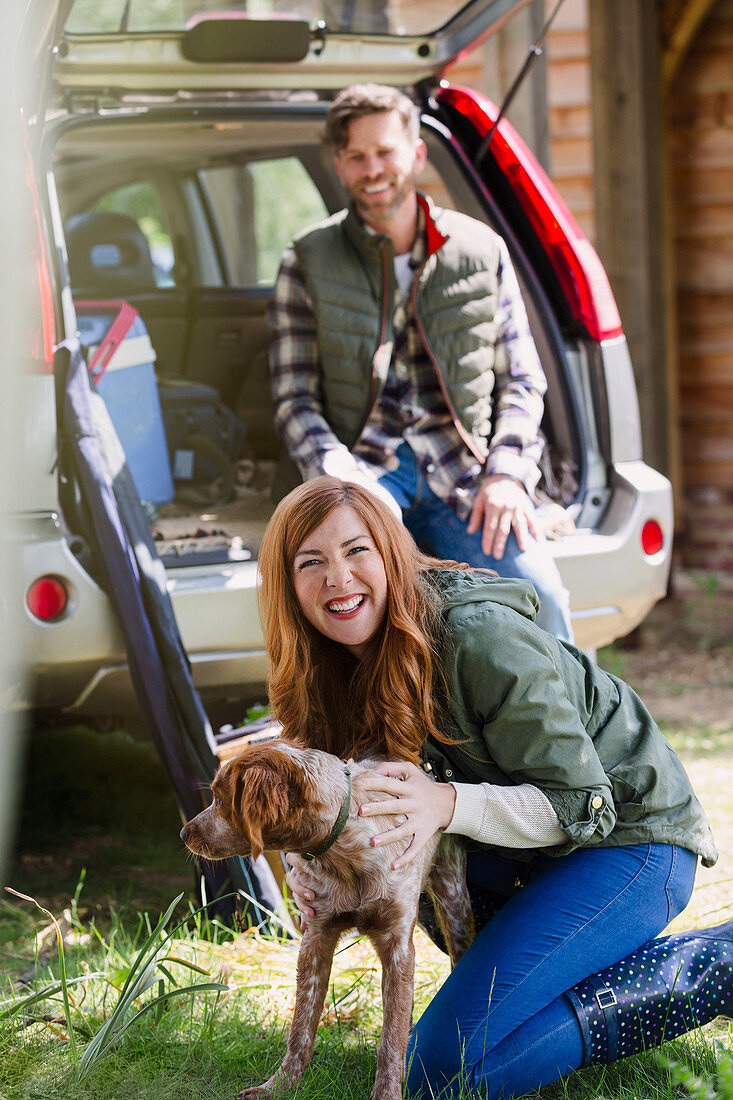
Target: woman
584,830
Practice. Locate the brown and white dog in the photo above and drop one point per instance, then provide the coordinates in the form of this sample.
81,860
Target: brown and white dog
278,797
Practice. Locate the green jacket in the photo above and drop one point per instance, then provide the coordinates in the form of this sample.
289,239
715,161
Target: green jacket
349,275
528,708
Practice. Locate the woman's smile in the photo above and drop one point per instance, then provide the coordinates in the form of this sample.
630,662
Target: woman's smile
340,582
346,608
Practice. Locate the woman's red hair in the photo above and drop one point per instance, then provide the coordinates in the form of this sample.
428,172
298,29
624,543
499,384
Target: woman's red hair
384,704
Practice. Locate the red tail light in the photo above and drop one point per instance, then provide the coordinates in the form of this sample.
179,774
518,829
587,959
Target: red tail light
47,598
42,337
573,258
652,538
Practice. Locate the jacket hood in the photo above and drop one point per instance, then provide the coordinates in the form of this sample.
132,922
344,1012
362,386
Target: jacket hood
459,587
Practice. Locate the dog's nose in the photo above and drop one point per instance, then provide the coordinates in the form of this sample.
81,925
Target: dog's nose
184,833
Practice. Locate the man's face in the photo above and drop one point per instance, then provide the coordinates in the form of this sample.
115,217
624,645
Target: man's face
378,166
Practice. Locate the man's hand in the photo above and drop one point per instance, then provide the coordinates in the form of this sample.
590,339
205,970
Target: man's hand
500,505
366,482
341,463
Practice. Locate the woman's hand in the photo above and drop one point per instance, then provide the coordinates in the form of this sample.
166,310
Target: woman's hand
300,883
427,805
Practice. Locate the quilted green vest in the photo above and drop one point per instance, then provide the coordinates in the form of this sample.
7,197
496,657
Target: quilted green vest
349,275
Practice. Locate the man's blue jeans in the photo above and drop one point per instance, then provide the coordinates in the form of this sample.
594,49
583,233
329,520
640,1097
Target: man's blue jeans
438,531
500,1022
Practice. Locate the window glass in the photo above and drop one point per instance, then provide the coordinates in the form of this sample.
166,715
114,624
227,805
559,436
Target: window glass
259,207
141,202
367,17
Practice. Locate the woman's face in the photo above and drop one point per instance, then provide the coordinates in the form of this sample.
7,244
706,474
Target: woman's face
340,581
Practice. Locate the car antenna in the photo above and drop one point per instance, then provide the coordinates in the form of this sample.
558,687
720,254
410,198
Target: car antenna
535,51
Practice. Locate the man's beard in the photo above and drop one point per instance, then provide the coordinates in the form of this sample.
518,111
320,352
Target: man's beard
379,213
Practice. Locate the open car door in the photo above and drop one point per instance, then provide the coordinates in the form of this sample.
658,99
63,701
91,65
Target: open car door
113,517
136,46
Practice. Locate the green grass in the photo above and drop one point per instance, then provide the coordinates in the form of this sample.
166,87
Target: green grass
701,743
612,658
100,802
91,799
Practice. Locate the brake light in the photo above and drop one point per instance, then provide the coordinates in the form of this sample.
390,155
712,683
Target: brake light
652,538
47,598
574,260
42,332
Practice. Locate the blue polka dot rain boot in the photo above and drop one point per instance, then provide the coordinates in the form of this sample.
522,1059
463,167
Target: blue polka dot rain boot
666,988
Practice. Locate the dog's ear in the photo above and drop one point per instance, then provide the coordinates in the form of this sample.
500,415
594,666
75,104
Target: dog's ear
262,798
227,790
256,843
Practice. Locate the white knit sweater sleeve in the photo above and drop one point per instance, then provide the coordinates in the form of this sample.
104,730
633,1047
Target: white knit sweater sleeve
508,817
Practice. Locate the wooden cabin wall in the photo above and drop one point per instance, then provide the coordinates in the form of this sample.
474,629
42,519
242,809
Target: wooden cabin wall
701,155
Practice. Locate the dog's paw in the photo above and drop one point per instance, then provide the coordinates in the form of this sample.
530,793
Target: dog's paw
275,1087
390,1089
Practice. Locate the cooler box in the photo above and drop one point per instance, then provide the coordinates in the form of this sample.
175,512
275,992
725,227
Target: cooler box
121,361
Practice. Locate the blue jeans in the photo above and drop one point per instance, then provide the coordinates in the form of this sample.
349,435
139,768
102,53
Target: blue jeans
500,1021
438,531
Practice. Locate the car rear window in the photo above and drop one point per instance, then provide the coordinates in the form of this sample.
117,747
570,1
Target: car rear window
347,17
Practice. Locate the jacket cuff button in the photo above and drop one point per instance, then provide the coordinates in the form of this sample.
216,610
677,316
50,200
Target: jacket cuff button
597,802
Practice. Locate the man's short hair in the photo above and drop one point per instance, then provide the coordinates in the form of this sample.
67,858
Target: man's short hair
368,99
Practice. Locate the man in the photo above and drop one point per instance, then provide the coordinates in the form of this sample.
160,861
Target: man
401,356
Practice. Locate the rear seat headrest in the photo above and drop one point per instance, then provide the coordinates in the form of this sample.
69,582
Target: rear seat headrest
109,255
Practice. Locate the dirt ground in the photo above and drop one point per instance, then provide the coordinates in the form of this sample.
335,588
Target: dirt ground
681,658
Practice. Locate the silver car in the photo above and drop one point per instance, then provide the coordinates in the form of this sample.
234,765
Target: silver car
173,160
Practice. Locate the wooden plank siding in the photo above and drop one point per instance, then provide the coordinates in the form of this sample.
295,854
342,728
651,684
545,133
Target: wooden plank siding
569,102
489,70
701,159
700,146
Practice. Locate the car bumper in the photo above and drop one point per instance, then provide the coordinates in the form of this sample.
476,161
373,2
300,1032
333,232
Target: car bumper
78,664
614,584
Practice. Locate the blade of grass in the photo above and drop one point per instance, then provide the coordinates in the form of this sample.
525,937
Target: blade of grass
273,916
142,958
183,962
47,991
89,1060
141,971
62,966
140,978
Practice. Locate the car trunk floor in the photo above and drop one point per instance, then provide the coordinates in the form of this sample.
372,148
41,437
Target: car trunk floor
191,532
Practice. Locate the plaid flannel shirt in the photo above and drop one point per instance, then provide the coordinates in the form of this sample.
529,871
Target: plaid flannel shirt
410,406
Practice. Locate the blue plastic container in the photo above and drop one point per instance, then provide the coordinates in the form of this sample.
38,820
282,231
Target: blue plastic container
125,379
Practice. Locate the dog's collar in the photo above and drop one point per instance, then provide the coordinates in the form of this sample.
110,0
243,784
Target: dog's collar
338,827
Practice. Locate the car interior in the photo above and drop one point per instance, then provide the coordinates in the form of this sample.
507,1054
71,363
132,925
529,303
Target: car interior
186,221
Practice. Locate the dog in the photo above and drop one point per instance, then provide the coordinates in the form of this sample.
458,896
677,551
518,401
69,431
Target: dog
279,797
